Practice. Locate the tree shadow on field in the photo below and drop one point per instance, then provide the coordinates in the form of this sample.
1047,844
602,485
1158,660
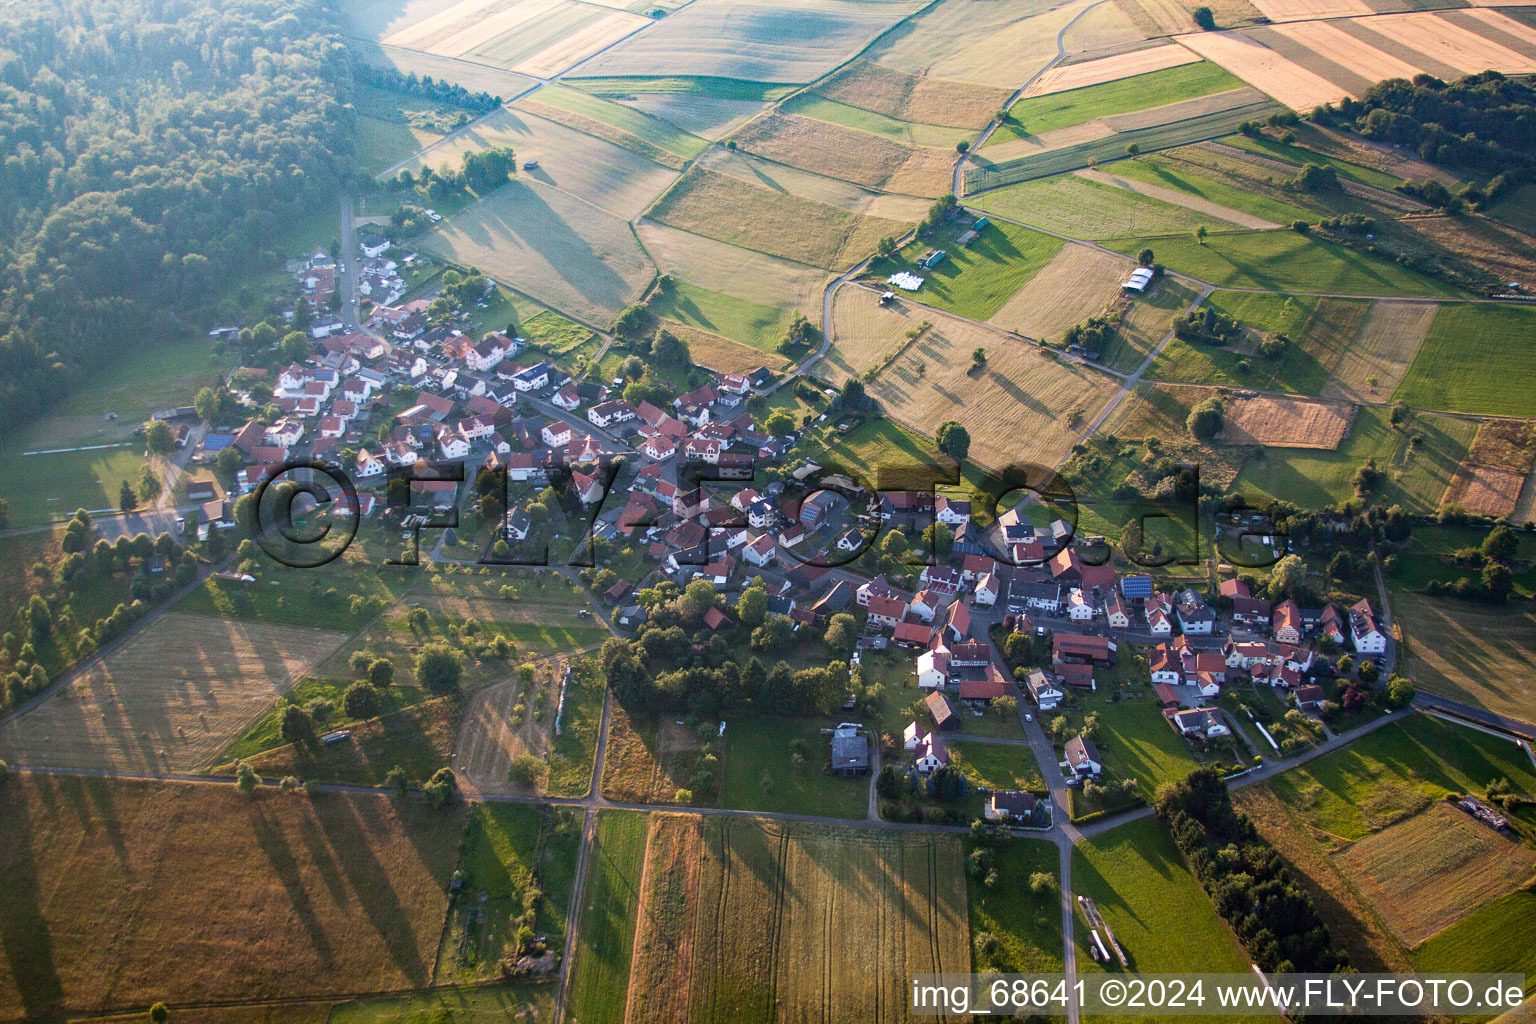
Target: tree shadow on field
269,836
372,885
24,936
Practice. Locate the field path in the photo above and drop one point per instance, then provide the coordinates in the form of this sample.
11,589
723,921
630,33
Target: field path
1177,198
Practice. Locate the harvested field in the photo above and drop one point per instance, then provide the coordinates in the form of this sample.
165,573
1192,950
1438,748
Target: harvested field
651,137
1010,55
606,175
1157,17
1288,82
908,97
1308,10
726,208
170,698
1110,69
950,29
1016,407
839,152
863,335
708,117
1078,282
1384,349
1517,35
1472,652
121,893
1425,873
1176,197
536,37
818,188
731,270
1286,422
718,352
1485,491
789,41
492,734
559,250
794,921
1333,43
1504,444
1102,29
649,760
905,133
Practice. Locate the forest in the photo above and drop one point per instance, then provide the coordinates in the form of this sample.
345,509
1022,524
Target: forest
153,146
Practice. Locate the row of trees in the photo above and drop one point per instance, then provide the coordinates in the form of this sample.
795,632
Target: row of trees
424,87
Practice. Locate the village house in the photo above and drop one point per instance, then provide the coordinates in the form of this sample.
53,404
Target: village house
1195,616
1368,638
1083,757
1286,622
1203,723
1009,805
1044,691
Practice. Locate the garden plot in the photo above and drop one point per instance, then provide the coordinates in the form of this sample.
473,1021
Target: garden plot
1110,69
559,250
1022,405
604,174
170,698
1286,422
1078,282
787,41
1427,872
917,98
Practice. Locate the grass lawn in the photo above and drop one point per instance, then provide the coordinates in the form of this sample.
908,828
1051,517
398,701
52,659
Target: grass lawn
1497,937
750,323
572,752
1314,478
303,597
997,765
976,280
46,488
553,332
606,936
1038,114
510,851
758,774
1163,172
1135,741
1027,927
882,445
1477,358
908,133
1284,261
1397,771
1138,880
1517,209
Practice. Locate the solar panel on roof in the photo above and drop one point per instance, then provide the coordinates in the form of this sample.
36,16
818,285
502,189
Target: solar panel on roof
217,442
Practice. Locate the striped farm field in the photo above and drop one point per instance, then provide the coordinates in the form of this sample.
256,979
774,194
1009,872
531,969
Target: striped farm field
1037,113
536,37
792,41
1477,358
725,208
605,924
749,920
913,98
1110,69
1258,65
